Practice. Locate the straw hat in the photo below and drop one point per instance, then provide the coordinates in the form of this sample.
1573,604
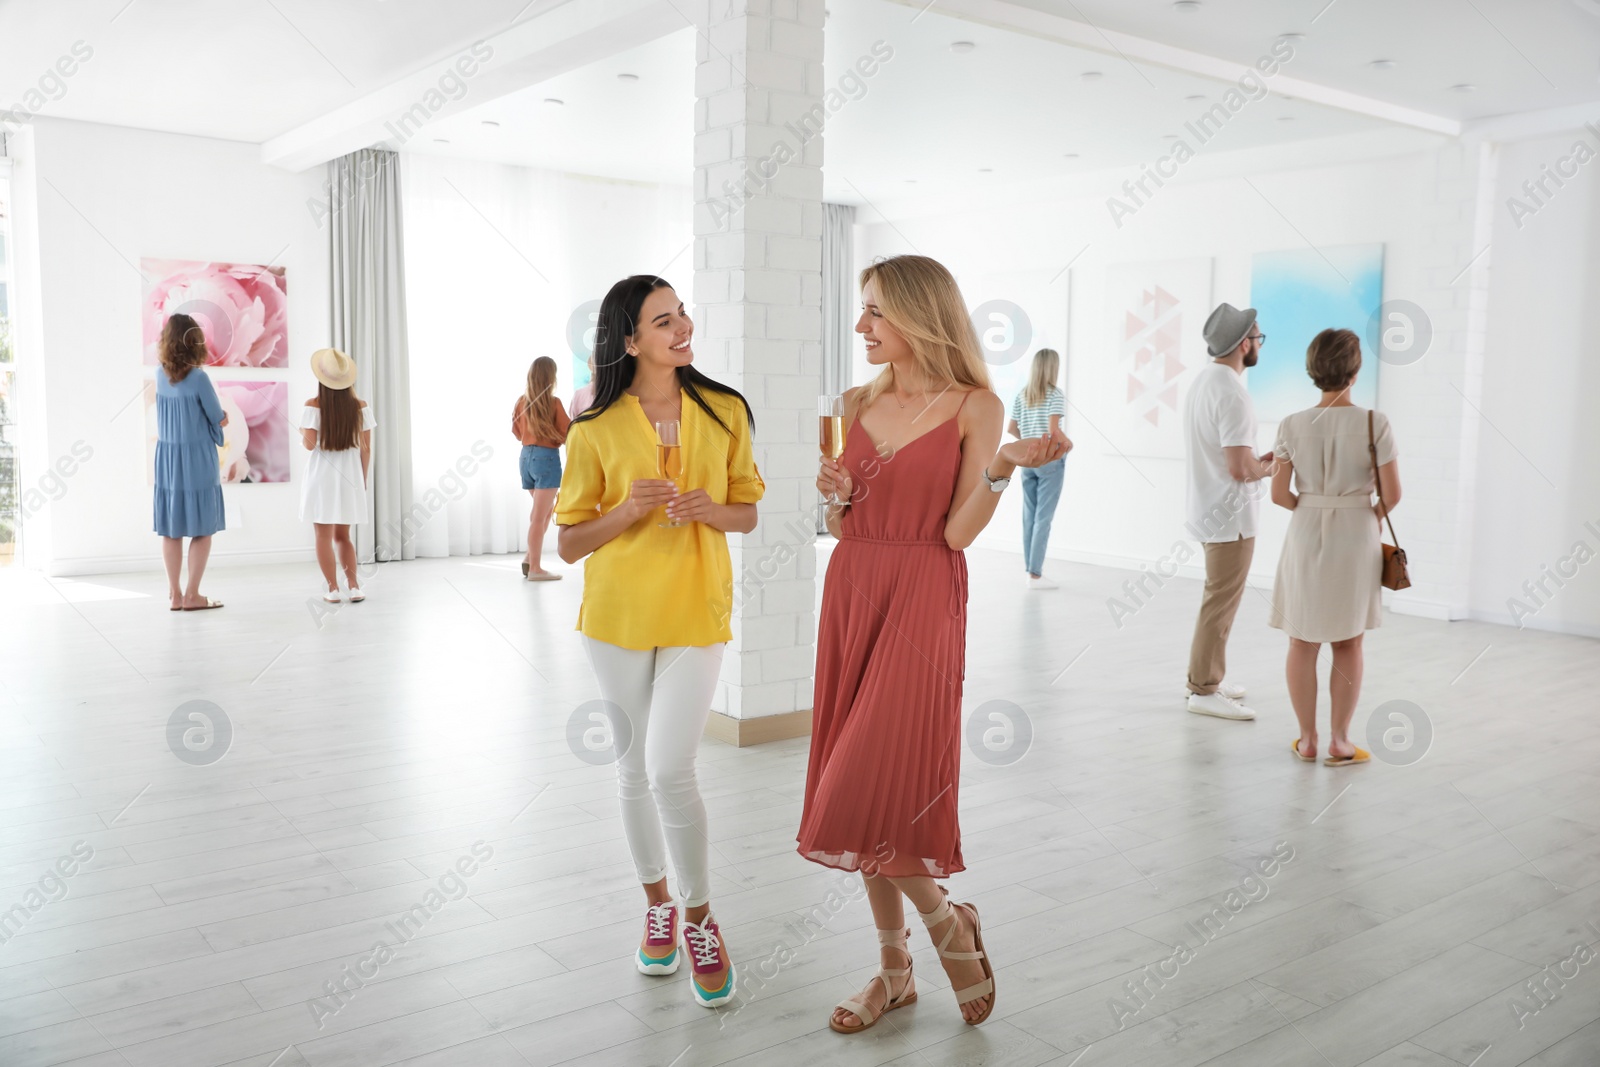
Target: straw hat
333,368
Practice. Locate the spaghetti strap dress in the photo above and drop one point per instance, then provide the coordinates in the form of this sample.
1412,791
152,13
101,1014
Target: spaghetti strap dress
881,785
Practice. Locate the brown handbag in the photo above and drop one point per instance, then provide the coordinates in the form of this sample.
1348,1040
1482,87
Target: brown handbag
1395,574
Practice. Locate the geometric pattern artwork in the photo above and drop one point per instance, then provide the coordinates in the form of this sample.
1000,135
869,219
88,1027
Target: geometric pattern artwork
1152,356
1157,311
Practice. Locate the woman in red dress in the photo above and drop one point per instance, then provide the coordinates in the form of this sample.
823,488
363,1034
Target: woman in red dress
922,471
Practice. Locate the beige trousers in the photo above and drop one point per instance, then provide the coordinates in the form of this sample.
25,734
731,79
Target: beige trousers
1227,566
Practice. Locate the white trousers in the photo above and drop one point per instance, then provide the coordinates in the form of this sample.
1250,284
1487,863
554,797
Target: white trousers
666,695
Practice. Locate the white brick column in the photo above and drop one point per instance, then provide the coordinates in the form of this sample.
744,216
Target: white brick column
758,294
1442,424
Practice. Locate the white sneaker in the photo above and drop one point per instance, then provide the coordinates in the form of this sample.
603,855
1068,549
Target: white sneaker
1218,705
1231,691
1041,582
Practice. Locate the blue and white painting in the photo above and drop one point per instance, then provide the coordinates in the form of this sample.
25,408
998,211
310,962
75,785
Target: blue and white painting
1297,294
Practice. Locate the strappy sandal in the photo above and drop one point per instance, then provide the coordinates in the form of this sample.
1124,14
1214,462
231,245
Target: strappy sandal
858,1006
946,912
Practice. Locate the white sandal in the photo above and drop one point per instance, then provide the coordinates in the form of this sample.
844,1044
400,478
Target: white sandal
864,1011
946,912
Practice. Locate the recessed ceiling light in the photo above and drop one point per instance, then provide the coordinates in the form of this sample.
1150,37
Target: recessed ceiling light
1292,38
1069,155
1091,75
490,122
985,170
1195,96
911,181
440,140
555,101
1381,64
962,47
1186,6
1170,136
627,77
1285,118
1463,88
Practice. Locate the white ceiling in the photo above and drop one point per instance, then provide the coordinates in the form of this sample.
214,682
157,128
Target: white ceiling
1015,105
243,70
1522,55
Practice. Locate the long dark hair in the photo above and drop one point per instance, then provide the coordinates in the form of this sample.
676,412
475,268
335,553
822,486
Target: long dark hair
183,347
613,367
340,418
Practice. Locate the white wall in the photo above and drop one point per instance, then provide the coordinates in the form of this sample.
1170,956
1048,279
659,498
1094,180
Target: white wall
1539,456
1012,246
105,196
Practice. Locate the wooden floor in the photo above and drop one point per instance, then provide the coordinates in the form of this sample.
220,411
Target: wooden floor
379,748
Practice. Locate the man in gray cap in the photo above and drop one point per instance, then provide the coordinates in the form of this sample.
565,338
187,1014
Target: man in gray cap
1224,472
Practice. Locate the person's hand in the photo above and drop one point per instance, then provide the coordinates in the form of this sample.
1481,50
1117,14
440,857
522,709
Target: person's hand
833,480
1030,452
223,425
1269,463
1065,442
647,494
694,506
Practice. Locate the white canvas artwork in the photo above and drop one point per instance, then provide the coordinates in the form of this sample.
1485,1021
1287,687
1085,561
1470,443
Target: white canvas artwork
1157,312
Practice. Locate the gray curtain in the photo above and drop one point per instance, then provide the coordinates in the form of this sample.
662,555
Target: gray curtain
838,295
367,278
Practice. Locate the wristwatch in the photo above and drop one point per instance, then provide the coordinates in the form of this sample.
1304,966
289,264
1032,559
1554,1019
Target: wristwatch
996,485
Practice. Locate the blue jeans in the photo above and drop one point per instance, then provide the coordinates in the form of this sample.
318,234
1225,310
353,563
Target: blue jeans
1041,491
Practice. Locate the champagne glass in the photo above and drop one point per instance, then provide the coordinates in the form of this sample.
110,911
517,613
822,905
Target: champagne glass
669,460
830,433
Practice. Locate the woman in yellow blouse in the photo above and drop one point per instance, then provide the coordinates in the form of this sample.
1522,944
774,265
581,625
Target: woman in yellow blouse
657,598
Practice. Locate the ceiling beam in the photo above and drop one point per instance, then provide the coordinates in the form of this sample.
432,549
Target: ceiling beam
1521,125
526,53
1017,19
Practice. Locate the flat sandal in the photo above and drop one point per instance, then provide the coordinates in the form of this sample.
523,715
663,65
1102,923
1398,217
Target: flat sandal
864,1011
946,912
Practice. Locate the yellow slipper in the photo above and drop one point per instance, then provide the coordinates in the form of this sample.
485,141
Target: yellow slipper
1360,755
1294,746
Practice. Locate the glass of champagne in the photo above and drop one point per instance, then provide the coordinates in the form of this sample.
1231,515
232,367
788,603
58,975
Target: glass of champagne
830,433
669,460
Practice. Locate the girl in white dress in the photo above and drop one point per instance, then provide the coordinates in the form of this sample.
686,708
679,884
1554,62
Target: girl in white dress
337,428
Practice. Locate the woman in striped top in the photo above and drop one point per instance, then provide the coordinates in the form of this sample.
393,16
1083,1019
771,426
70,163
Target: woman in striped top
1037,412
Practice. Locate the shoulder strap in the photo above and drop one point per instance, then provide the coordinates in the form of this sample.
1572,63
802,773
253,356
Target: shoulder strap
1377,480
964,396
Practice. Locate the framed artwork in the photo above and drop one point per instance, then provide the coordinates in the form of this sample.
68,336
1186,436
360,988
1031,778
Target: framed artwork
255,448
1157,310
241,308
1297,294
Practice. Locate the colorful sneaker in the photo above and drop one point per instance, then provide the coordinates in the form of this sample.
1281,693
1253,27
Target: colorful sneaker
659,953
707,957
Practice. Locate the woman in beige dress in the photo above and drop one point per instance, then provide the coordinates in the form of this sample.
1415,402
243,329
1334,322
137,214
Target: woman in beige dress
1329,573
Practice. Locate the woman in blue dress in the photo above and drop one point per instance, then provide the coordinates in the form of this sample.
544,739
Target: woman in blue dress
189,422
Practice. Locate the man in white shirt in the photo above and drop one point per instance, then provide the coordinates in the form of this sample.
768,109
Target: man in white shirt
1224,472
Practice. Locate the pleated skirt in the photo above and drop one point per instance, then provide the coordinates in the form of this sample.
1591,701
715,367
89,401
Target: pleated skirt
882,782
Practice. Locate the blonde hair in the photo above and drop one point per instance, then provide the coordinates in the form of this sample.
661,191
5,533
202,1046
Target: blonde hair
1042,377
538,403
920,299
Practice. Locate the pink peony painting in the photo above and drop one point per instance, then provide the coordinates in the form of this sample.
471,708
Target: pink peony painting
242,308
255,448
